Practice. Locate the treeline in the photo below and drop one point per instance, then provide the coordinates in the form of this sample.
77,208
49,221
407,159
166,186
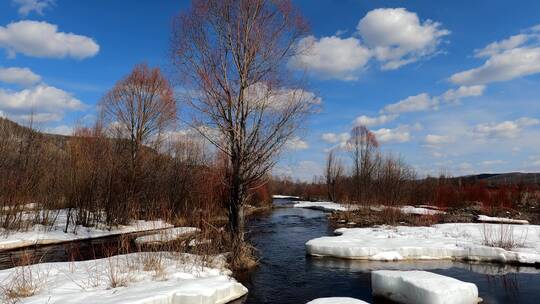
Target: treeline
357,172
114,171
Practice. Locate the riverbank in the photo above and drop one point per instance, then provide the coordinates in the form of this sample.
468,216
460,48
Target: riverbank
142,278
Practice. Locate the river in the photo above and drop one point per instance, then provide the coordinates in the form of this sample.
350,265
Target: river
287,275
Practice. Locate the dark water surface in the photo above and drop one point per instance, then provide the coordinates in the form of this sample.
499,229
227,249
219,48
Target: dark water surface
287,275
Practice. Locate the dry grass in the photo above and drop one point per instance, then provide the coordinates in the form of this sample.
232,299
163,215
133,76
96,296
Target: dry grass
502,236
25,281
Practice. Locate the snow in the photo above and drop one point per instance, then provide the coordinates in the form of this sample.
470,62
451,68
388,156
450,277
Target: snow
419,210
182,279
422,287
332,206
324,206
166,235
336,300
285,196
460,241
41,235
489,219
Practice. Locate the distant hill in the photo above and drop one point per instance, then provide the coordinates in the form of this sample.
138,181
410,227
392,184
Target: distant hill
503,178
12,130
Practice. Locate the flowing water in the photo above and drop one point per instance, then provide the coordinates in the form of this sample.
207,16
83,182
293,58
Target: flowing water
287,275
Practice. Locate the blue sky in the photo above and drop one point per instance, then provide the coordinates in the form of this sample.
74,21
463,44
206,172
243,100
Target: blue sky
449,86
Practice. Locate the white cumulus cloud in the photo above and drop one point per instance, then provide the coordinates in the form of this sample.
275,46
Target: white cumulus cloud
47,103
397,36
396,135
511,58
42,39
21,76
508,128
331,57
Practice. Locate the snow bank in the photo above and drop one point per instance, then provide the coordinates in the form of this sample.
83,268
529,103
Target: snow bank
285,196
422,287
337,300
462,241
181,280
166,235
41,235
419,210
504,220
324,206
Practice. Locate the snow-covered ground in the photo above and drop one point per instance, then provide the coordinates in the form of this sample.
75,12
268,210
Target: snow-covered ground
166,235
324,206
422,287
504,220
462,241
40,235
179,280
285,196
337,300
332,206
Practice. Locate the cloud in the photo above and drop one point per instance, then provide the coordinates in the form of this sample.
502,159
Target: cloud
60,130
27,6
331,57
21,76
279,99
424,102
397,37
393,36
42,39
333,138
511,58
433,140
296,144
374,121
492,162
420,102
505,129
397,135
47,103
462,92
497,47
304,170
508,65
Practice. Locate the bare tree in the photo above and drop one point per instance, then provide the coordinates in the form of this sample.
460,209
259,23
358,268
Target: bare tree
140,107
333,174
232,54
362,145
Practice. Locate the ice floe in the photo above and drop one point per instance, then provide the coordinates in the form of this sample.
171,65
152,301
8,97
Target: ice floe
504,220
324,206
461,241
337,300
285,196
422,287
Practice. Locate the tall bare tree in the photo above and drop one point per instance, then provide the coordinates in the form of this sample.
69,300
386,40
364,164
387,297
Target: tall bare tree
232,56
140,107
333,174
362,145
